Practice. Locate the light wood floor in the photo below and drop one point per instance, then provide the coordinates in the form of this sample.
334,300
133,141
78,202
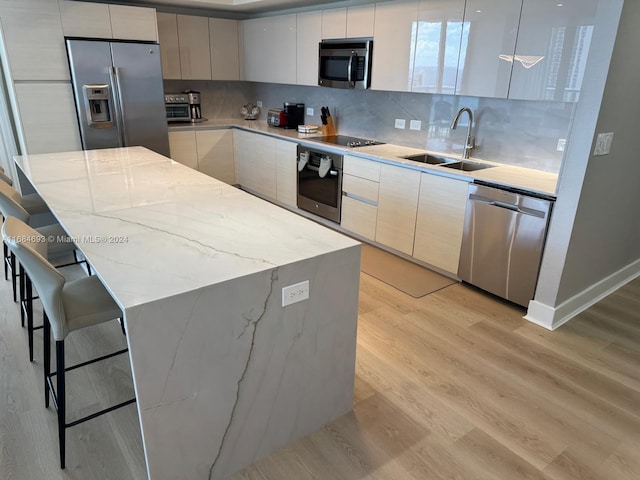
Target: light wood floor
454,385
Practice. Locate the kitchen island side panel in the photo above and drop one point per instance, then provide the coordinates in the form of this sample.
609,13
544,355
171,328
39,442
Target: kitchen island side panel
240,376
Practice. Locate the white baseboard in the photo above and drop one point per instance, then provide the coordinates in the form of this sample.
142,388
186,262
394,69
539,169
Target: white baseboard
552,317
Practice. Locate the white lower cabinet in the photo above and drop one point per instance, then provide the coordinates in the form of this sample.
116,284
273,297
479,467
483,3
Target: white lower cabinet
47,118
397,207
255,163
286,173
182,146
360,184
215,154
440,221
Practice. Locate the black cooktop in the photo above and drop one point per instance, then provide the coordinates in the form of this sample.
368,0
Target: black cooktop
347,141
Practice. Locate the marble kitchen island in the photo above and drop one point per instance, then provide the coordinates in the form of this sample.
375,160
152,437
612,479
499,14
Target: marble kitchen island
223,373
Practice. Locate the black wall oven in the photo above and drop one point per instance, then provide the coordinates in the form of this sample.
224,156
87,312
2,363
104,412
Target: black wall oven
320,182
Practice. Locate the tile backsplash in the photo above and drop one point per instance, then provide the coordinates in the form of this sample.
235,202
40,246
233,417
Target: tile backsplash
515,132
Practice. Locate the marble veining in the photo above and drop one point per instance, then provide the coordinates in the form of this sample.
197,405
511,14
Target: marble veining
223,374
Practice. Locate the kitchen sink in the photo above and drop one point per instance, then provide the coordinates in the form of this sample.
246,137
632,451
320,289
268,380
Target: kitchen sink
466,166
428,158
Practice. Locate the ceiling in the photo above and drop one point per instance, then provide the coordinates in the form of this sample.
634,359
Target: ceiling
242,7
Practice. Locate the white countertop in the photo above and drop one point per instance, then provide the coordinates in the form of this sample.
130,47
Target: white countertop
159,207
528,179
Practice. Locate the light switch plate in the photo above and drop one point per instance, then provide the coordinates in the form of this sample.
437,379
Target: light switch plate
259,103
415,125
310,111
603,144
400,122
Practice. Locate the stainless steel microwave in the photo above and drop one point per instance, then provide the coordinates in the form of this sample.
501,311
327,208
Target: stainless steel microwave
345,63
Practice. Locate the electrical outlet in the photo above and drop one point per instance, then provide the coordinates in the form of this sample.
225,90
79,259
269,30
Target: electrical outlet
415,125
399,123
603,144
259,103
295,293
310,111
562,142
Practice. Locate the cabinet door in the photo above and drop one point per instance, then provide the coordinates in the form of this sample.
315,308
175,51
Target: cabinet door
359,205
360,21
440,221
255,162
552,49
182,145
334,23
270,49
47,118
84,19
437,46
308,33
215,154
488,36
286,173
193,40
359,217
33,40
397,207
393,53
224,49
134,23
169,47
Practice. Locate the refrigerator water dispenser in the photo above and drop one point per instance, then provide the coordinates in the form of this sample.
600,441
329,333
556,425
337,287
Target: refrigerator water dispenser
96,100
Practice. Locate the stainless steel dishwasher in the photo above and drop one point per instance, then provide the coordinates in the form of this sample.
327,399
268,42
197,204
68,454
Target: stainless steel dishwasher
504,234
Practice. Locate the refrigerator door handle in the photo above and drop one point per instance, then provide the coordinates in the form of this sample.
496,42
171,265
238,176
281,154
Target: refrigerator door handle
117,96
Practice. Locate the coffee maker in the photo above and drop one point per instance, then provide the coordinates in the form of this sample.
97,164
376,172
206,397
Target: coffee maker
294,113
195,110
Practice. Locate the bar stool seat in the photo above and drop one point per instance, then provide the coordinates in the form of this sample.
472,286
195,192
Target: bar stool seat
67,306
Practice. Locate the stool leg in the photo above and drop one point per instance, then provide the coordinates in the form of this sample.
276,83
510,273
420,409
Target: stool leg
61,398
14,275
6,263
47,357
28,299
22,293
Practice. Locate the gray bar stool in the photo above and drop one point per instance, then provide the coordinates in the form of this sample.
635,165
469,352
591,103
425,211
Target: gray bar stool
32,204
67,306
59,245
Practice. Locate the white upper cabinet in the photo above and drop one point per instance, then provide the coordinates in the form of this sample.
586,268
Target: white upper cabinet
334,23
133,23
169,46
393,46
360,21
309,34
438,36
99,20
193,40
224,48
270,49
33,40
488,44
84,19
551,50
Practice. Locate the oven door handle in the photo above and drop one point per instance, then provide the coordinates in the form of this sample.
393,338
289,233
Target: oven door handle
333,173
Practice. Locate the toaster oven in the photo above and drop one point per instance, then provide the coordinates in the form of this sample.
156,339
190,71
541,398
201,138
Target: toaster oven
177,107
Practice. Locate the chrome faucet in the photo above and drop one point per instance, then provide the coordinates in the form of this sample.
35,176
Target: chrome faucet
469,143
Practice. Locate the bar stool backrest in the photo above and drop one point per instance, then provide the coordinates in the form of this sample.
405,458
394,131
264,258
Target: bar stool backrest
10,203
30,248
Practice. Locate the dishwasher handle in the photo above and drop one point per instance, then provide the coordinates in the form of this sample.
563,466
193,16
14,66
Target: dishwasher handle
507,206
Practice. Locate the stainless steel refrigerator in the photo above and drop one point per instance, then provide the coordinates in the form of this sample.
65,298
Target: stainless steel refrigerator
119,94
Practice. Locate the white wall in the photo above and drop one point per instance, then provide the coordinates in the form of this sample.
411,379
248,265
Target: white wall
594,240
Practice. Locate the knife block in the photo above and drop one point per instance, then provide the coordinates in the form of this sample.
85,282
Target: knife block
329,128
